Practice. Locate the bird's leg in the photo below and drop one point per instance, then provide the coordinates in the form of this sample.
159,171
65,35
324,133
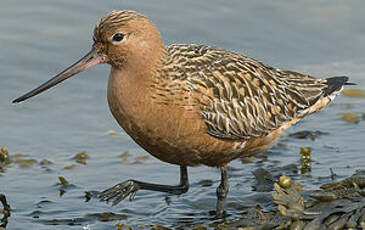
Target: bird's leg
130,187
222,192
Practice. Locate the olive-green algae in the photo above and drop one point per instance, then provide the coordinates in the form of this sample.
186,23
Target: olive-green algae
5,211
354,92
351,117
338,205
305,160
81,157
20,159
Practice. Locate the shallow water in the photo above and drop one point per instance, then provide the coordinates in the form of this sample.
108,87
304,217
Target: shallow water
39,38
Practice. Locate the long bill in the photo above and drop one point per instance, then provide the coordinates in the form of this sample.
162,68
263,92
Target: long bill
90,59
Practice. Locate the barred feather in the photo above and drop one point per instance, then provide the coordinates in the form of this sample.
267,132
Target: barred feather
238,97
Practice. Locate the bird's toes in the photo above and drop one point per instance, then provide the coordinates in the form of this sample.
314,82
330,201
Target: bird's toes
120,192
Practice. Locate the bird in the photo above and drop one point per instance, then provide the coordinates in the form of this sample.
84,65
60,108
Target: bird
191,105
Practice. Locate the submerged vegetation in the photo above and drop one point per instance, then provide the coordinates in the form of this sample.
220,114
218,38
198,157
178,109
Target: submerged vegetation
5,211
289,204
335,205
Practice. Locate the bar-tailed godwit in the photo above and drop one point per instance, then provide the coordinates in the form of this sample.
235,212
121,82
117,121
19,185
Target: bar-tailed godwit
193,104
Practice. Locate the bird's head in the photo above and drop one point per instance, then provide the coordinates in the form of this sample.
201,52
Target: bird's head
123,39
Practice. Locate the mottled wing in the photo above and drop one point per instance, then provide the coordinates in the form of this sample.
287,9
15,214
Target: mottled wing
239,97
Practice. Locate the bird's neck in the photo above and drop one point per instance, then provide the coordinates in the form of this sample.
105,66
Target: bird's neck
129,88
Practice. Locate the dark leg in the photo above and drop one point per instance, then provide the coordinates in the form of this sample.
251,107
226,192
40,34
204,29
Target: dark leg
222,192
130,187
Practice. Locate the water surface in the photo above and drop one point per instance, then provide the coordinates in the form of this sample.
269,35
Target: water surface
39,38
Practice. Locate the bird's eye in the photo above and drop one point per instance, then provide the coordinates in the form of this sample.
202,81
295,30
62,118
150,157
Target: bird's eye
118,37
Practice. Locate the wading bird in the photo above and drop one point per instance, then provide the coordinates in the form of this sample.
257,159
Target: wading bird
190,105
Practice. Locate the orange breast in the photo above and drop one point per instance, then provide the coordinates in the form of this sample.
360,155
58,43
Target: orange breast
171,133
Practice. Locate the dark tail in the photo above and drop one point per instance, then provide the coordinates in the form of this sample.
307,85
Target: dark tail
336,83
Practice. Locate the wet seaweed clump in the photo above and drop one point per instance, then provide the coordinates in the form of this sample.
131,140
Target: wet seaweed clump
127,158
20,159
4,158
81,157
354,92
305,160
64,185
337,205
5,211
351,117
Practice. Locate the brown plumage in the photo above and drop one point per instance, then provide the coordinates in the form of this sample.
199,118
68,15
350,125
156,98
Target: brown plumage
193,104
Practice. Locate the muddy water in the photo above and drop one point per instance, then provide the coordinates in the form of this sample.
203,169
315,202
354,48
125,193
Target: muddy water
39,38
